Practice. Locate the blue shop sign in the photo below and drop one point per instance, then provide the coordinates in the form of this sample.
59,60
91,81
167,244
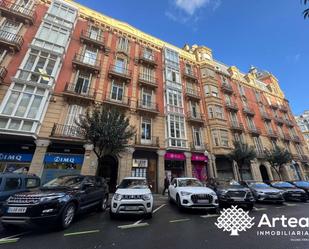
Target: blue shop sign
15,157
63,158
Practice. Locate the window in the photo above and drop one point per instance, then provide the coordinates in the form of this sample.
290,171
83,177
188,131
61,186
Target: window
251,123
220,137
234,119
211,90
32,182
174,101
90,56
215,112
82,83
74,114
146,128
12,184
194,109
10,27
94,32
63,11
244,102
238,137
257,96
120,65
197,137
280,130
224,138
148,54
258,144
117,91
268,126
3,53
228,99
172,58
241,89
123,44
273,143
147,98
147,74
188,69
40,67
172,76
176,130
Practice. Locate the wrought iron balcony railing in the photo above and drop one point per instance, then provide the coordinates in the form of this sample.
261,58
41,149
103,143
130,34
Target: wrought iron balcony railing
147,106
87,62
247,110
79,91
3,73
232,106
193,93
195,117
67,131
147,141
19,12
117,100
92,38
227,88
148,58
190,74
120,72
10,40
148,80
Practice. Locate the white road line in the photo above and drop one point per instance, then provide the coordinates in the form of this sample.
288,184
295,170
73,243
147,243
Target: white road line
180,220
157,209
13,236
259,209
279,207
6,241
209,215
133,225
290,204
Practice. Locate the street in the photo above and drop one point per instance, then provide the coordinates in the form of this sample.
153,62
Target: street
169,228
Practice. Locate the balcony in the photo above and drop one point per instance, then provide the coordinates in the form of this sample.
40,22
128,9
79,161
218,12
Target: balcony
287,137
92,39
190,75
273,105
272,134
117,100
296,157
67,131
265,116
296,139
260,154
232,106
147,80
195,117
3,73
121,73
304,158
147,58
283,108
279,120
11,41
236,126
227,88
18,12
79,92
254,131
193,94
248,111
146,106
88,63
151,142
197,148
289,123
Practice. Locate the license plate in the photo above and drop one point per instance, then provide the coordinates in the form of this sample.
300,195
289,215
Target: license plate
17,210
133,208
296,194
203,201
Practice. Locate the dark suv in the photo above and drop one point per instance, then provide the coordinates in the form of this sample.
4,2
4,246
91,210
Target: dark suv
57,201
12,183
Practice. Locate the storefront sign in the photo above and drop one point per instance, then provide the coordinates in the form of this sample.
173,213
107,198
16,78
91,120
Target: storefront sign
199,157
174,156
15,157
63,158
140,163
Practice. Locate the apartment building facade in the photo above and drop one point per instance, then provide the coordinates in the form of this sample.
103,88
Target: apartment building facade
60,58
303,123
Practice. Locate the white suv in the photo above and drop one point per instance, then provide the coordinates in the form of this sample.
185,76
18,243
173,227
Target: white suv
190,193
132,196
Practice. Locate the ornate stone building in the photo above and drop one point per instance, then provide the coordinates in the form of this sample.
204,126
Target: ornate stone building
59,58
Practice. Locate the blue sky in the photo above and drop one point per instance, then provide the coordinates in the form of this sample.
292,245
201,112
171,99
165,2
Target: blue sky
270,35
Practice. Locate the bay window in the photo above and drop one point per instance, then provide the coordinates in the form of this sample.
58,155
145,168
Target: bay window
176,130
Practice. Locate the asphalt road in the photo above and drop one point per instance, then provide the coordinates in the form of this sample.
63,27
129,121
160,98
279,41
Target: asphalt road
169,228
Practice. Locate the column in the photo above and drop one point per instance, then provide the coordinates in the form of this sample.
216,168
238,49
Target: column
125,164
255,170
236,172
269,171
160,170
37,163
90,163
188,169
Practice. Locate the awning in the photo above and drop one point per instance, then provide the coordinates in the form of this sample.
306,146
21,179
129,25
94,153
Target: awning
199,157
174,156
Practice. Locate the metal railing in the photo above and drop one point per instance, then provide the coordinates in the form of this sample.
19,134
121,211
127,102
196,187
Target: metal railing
247,110
279,120
80,90
18,9
227,88
10,38
147,57
272,133
237,125
87,61
70,131
120,71
96,38
147,141
146,78
192,92
190,73
148,105
195,116
195,147
3,73
254,130
265,115
118,99
231,105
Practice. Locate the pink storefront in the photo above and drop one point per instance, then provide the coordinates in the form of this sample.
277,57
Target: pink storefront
199,162
174,164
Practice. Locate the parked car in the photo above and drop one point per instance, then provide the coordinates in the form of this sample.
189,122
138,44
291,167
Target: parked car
190,193
12,183
56,201
291,192
263,192
233,193
132,196
302,185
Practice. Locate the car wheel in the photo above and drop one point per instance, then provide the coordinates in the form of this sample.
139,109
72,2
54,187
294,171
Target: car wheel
149,215
67,215
9,227
178,202
103,204
169,197
304,200
112,215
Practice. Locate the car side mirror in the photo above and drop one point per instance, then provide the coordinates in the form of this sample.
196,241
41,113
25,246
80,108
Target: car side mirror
174,185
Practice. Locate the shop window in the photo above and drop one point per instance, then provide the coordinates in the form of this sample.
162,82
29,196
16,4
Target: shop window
32,183
12,184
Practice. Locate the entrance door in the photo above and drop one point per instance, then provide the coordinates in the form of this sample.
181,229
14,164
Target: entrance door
109,170
264,173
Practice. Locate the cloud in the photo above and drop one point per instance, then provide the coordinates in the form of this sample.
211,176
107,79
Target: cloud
190,6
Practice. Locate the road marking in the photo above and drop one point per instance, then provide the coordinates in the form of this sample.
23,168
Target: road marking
290,204
12,236
158,208
279,207
259,209
133,225
6,241
209,215
180,220
82,232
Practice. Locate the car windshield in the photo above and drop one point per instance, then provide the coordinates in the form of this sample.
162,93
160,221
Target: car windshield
258,185
283,185
189,183
302,184
65,182
133,183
